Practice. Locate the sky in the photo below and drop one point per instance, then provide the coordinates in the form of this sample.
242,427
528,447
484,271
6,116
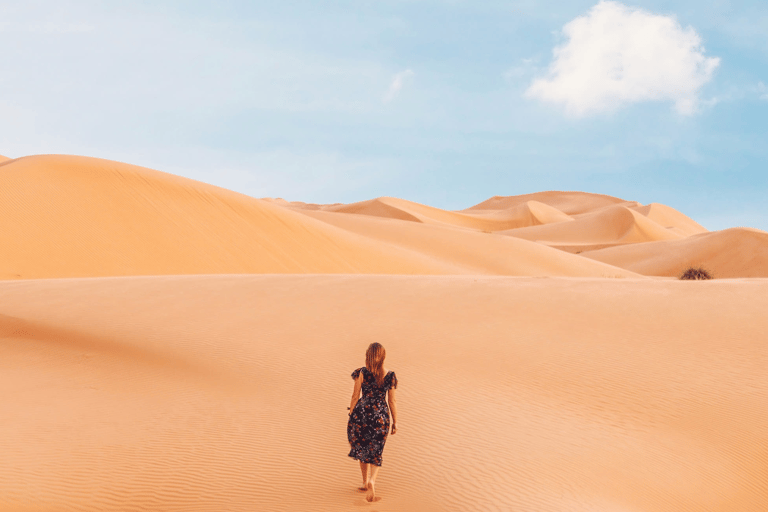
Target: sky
443,102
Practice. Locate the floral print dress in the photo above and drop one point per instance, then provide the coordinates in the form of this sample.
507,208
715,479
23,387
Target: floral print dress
368,424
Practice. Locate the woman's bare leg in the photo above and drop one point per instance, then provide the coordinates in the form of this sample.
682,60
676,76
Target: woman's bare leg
364,471
371,496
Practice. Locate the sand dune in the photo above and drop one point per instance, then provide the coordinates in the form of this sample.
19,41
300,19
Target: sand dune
209,393
470,252
529,213
606,227
4,158
735,252
65,216
671,219
571,203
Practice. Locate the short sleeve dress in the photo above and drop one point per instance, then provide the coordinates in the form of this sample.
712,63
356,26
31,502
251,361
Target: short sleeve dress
368,424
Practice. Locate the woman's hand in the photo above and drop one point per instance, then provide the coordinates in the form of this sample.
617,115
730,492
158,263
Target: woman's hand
394,429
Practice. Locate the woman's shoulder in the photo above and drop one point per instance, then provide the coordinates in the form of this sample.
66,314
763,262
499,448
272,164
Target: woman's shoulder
391,379
360,370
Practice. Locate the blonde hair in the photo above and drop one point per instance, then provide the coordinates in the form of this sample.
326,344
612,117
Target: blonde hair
374,361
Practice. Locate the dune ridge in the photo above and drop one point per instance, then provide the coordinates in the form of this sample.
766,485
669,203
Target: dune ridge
210,393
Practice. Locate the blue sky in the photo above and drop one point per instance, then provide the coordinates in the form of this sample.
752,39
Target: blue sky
444,102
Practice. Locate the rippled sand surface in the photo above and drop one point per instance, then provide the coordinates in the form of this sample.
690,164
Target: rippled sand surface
526,394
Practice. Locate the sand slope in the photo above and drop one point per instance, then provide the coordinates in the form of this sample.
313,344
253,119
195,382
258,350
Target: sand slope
735,252
4,158
65,216
210,393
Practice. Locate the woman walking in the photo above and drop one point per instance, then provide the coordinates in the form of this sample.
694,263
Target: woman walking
368,425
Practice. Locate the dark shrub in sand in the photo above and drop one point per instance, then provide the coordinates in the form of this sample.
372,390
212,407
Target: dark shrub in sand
696,274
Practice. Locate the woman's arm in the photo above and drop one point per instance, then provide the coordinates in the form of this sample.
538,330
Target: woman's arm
392,408
356,392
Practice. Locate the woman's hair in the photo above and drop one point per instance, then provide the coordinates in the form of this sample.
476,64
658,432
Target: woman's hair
374,361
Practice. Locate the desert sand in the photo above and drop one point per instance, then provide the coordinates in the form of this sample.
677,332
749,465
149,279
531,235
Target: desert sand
169,345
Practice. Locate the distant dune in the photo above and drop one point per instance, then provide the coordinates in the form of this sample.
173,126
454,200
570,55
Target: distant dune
607,226
735,252
3,158
671,219
66,216
530,213
571,203
470,251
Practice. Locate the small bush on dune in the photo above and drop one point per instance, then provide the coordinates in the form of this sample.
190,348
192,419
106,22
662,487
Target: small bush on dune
696,274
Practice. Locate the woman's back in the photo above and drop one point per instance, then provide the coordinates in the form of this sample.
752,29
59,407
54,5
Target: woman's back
370,388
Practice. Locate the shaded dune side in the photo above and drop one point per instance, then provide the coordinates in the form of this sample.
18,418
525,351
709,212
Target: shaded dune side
571,203
529,213
204,393
671,219
67,216
735,252
608,226
380,207
469,252
394,208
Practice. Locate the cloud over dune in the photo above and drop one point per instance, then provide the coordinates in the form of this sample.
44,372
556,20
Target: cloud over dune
617,55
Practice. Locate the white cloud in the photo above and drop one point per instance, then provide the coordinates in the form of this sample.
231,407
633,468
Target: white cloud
397,84
762,91
616,55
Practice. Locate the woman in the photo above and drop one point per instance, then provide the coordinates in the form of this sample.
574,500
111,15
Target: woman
369,416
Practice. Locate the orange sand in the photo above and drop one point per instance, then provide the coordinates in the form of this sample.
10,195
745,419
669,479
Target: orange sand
525,394
65,216
214,376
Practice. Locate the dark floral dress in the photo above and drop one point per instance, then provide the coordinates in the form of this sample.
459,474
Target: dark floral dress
368,425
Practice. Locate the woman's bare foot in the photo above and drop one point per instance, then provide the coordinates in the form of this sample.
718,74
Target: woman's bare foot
371,496
363,488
